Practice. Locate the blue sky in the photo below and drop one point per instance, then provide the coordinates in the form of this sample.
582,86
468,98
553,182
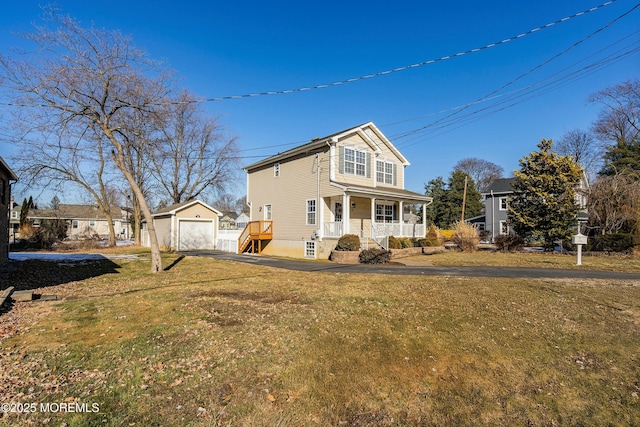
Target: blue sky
234,48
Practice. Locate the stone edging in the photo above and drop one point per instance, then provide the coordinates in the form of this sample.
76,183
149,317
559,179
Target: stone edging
352,257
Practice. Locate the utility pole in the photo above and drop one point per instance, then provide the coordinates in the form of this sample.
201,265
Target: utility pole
464,197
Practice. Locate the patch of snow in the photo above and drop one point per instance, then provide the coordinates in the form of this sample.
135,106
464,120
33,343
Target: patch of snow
53,256
65,257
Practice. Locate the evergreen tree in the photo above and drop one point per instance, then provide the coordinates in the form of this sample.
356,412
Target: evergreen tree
622,157
446,208
455,196
544,203
24,212
55,203
436,189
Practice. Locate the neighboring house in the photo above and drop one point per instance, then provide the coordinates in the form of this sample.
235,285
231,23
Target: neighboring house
242,220
6,176
185,226
496,202
14,220
85,221
352,182
227,221
495,207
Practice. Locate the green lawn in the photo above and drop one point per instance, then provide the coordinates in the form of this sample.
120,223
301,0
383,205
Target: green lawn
220,343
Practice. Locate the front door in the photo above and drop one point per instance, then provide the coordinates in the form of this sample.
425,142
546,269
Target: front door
337,211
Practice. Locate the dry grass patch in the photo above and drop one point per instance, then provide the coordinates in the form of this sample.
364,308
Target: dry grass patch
630,263
220,343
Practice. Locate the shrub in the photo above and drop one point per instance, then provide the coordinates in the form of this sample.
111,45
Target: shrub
394,243
348,242
405,242
616,242
427,242
466,236
509,242
434,235
374,256
446,235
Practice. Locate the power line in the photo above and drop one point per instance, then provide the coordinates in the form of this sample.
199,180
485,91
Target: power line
381,73
416,65
530,71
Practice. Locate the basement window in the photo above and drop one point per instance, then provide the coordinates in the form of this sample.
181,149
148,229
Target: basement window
310,249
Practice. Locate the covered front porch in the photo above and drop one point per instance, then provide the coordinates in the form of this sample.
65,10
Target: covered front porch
373,214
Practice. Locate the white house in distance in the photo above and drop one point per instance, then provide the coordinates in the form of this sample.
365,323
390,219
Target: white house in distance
352,182
84,221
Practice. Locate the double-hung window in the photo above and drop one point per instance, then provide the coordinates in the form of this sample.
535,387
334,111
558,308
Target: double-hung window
384,172
311,212
503,203
355,161
384,213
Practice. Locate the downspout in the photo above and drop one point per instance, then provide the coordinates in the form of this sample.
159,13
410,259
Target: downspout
319,211
493,219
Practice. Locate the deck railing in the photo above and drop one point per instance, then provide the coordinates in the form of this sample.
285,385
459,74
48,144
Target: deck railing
255,231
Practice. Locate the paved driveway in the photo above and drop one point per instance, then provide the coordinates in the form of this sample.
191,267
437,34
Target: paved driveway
302,265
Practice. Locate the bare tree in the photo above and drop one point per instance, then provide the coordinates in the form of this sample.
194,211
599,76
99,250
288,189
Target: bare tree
52,156
618,126
84,80
226,203
193,155
482,172
584,148
614,204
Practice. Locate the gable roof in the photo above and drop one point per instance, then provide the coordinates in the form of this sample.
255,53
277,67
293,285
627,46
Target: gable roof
5,166
318,143
65,211
500,185
184,205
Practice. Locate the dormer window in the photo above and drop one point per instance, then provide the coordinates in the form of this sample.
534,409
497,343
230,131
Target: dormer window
355,161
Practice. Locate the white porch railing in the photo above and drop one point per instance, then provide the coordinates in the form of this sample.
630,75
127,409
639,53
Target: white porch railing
336,229
397,230
333,229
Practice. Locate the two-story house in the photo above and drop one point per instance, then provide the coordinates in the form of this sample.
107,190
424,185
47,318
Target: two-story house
6,176
496,203
352,182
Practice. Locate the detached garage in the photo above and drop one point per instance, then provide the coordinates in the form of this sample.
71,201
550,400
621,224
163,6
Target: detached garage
185,226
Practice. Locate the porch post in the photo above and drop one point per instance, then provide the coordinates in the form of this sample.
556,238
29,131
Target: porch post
401,217
373,218
320,215
424,218
346,213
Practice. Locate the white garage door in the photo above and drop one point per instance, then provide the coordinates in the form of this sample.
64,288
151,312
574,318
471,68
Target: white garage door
194,235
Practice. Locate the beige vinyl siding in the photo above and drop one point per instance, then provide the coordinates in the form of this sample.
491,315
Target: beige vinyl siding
288,195
194,210
357,142
163,230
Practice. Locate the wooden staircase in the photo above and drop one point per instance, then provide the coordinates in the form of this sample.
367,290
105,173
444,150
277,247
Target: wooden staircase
254,235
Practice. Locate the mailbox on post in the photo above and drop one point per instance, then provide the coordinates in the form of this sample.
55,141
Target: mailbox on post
579,240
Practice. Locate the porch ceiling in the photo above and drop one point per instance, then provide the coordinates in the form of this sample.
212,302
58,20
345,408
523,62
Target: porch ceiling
383,192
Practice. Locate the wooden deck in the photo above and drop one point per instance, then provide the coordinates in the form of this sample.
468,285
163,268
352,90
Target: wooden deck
254,236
